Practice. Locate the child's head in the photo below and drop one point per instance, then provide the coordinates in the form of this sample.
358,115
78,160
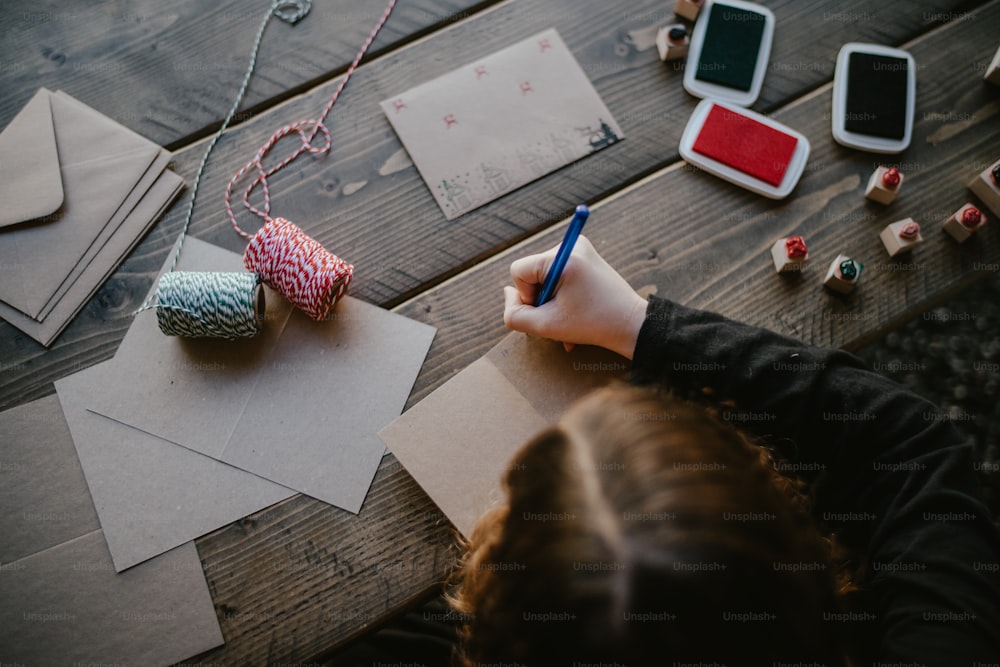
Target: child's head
643,530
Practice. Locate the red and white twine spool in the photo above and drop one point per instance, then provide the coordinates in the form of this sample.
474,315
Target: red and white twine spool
284,256
307,274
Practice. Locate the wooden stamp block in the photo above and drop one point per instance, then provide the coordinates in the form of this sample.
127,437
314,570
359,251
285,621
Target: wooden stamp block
964,223
993,71
901,236
688,8
884,184
986,186
672,42
789,254
843,274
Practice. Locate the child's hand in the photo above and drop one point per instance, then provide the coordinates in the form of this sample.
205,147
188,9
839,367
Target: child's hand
592,304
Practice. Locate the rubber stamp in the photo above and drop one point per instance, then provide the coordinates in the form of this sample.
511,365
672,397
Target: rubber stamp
986,186
883,185
964,223
900,237
843,274
672,42
790,254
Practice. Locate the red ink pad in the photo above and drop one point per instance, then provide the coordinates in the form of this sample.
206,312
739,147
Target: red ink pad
745,148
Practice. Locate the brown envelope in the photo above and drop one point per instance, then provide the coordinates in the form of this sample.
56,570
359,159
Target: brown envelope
100,163
30,140
73,297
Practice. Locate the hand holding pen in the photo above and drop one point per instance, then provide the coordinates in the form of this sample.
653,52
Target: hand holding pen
593,305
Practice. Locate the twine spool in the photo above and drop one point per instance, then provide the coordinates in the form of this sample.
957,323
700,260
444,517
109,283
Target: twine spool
209,304
307,274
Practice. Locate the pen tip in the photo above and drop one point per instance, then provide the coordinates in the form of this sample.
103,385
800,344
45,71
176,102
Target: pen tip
582,208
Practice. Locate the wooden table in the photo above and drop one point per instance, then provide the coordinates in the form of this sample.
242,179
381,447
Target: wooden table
300,578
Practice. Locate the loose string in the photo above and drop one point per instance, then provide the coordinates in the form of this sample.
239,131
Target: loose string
199,304
283,255
291,12
317,126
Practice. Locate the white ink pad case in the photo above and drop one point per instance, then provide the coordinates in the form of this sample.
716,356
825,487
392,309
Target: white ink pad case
730,47
874,96
745,148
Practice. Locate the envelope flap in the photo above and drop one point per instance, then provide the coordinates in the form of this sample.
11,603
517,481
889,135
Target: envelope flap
30,183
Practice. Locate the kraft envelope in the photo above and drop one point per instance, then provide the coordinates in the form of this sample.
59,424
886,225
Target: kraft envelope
459,441
500,122
152,495
300,406
100,163
73,296
140,193
61,602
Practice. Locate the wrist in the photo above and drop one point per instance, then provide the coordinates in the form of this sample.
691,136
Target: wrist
628,333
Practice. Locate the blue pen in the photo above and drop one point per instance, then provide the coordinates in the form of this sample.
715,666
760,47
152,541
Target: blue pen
562,256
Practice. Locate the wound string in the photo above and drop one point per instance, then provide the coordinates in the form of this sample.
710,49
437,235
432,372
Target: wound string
201,304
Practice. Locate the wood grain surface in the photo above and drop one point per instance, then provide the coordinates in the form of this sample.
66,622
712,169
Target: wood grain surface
302,577
170,70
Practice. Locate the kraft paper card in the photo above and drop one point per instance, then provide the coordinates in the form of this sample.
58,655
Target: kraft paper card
500,122
61,602
300,405
152,495
459,441
67,606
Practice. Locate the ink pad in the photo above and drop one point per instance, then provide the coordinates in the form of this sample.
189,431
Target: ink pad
744,148
730,46
874,95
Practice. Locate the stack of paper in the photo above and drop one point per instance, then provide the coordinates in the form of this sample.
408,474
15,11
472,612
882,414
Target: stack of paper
62,602
79,190
186,435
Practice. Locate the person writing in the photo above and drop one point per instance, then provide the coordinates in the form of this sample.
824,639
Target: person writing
747,500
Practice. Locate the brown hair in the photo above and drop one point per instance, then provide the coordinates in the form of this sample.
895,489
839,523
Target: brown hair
643,530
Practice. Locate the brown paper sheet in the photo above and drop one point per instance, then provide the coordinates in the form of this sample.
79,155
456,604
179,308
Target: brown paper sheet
458,442
152,495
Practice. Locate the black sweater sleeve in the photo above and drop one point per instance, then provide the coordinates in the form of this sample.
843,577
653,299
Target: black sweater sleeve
887,469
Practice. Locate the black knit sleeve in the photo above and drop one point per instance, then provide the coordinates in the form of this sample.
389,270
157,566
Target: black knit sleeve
886,468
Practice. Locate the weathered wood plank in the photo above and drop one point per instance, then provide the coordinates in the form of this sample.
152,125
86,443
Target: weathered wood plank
171,70
699,241
367,204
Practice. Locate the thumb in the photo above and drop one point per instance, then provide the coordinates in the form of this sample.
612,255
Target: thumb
517,314
528,274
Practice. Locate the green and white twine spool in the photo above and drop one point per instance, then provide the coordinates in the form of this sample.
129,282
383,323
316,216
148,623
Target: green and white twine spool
200,304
